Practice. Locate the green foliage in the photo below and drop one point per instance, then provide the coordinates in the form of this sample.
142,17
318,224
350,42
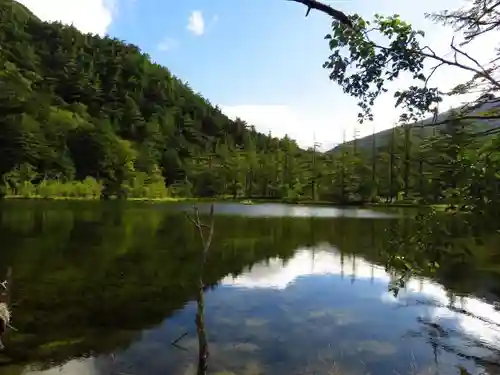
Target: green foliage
366,68
88,188
77,106
366,58
82,115
448,167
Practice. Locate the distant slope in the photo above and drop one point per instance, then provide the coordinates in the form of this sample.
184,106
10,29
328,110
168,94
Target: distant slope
383,137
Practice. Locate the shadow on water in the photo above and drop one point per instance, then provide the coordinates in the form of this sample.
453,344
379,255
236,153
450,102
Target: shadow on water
106,289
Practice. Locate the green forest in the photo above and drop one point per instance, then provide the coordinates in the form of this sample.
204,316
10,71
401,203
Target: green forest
93,117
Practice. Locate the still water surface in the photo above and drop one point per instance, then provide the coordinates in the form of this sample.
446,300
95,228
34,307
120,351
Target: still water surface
105,289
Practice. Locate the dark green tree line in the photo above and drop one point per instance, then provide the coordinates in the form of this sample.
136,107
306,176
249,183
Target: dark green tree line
94,116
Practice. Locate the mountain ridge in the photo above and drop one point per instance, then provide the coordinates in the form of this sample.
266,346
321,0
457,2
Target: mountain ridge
417,132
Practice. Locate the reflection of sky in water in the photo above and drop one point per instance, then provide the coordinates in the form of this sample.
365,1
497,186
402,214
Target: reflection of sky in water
283,210
320,261
323,261
303,315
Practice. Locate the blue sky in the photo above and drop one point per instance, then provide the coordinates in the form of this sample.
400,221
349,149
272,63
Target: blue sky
257,59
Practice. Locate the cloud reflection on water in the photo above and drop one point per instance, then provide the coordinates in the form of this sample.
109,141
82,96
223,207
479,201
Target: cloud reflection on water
327,260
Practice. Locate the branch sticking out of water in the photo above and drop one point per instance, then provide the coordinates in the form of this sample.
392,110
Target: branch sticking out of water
200,226
203,352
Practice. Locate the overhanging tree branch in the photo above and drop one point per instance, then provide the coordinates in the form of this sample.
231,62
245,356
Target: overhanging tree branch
363,67
334,13
479,73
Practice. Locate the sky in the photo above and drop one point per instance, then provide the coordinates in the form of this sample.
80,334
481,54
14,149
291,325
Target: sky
260,60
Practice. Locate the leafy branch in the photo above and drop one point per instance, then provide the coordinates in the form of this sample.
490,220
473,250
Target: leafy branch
364,68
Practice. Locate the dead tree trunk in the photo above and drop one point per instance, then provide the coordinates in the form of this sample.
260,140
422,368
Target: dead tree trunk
203,352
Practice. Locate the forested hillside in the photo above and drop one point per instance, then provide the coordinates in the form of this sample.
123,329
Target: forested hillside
82,115
86,116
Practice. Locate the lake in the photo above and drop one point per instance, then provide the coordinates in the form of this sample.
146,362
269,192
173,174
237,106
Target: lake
111,288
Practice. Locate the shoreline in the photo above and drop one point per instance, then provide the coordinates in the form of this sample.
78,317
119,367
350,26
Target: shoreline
242,200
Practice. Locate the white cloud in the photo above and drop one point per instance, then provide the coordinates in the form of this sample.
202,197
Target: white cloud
331,111
304,125
89,16
327,260
196,23
168,44
334,112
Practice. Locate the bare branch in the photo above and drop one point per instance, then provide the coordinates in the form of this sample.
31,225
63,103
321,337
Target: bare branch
203,351
197,223
430,49
211,232
432,55
475,20
334,13
459,51
432,72
206,242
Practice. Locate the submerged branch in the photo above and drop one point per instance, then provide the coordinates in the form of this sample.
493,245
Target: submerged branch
174,342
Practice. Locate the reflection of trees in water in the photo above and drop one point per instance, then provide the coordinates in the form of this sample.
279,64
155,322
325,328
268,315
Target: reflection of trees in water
447,248
112,366
452,250
87,256
92,253
439,247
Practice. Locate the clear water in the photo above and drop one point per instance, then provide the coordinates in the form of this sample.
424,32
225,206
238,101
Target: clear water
105,289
